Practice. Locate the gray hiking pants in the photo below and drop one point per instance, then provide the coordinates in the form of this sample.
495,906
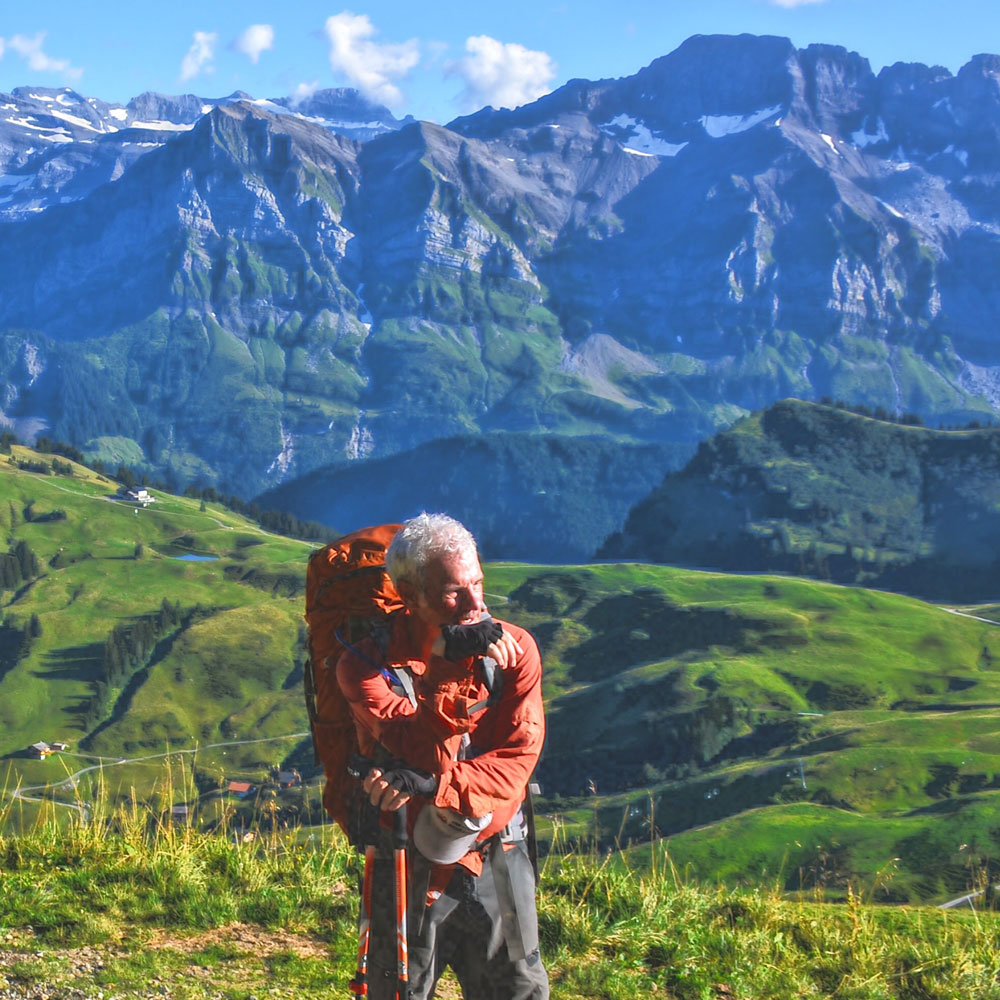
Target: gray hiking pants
465,928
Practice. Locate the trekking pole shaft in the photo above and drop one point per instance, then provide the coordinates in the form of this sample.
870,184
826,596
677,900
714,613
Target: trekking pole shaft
359,984
399,860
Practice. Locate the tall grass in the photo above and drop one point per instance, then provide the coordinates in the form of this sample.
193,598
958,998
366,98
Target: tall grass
615,932
118,880
83,879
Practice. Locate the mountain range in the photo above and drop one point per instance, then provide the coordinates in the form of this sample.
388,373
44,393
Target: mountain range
239,292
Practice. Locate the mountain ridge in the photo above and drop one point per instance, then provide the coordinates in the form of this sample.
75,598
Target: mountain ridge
814,489
647,258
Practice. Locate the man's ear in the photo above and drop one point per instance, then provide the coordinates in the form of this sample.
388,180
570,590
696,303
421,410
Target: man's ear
409,592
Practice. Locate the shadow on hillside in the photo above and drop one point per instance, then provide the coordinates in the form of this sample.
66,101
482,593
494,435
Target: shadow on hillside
124,702
945,807
73,663
628,629
302,758
646,625
909,705
18,594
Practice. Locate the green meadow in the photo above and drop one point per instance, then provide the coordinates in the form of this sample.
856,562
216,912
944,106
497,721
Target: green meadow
227,674
130,909
769,727
771,730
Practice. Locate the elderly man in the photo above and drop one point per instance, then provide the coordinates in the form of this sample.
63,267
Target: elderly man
458,748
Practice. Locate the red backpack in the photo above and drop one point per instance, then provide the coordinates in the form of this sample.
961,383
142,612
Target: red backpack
348,591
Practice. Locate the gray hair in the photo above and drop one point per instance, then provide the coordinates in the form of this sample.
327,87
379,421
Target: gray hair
421,539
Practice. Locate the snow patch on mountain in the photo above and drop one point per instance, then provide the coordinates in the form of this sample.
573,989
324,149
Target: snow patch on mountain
863,137
74,120
24,123
333,124
164,126
635,137
718,126
339,125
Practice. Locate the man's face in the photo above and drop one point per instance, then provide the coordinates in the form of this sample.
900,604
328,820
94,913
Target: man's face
452,592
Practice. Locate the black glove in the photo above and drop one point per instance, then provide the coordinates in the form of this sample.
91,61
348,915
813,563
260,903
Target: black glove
461,641
358,766
411,780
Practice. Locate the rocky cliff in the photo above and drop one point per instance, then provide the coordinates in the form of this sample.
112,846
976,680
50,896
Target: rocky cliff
264,294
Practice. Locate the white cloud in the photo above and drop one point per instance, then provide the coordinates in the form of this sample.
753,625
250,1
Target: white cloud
1,48
793,3
254,40
505,75
303,92
371,67
199,56
30,49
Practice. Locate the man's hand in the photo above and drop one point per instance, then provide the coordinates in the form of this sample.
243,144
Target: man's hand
484,639
462,641
391,789
505,651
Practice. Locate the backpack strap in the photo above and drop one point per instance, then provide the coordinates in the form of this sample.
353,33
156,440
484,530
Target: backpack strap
493,679
396,676
531,834
309,686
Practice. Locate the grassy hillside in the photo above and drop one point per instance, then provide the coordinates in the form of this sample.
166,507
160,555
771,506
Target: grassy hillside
833,729
771,727
817,490
537,497
226,671
146,911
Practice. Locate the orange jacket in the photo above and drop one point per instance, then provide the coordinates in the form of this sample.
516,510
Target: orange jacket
505,739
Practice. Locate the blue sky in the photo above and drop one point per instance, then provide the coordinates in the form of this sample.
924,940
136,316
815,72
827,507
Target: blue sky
439,58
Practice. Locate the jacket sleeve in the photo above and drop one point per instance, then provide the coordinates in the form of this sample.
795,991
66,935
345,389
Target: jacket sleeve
383,716
507,743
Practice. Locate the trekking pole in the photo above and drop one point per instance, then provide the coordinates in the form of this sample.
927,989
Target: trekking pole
357,767
359,984
399,862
